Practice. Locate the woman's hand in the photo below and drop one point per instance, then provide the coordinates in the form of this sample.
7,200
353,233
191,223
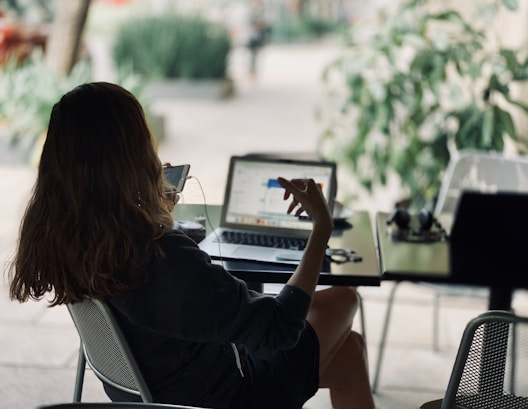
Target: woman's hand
307,197
171,197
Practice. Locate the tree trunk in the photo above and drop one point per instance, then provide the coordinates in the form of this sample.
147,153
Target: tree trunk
63,44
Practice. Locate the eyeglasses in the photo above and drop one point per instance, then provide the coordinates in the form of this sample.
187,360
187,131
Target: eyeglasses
342,256
174,196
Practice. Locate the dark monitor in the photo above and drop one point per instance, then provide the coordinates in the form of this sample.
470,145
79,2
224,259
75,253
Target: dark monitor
489,239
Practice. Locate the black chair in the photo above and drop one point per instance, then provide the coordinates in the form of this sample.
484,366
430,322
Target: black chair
115,405
491,366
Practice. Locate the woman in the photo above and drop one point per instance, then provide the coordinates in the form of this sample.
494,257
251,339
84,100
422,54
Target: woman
98,226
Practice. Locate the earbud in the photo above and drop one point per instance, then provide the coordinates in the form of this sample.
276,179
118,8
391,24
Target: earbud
425,229
401,218
426,219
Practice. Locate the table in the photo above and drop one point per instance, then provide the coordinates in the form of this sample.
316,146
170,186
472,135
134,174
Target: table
356,233
429,262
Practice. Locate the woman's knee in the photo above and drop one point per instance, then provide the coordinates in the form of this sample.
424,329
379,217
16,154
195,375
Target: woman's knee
350,294
346,297
340,303
356,341
342,293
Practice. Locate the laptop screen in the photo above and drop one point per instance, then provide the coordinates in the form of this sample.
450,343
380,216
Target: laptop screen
254,198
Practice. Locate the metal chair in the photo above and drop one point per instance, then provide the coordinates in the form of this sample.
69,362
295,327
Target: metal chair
491,366
470,170
106,351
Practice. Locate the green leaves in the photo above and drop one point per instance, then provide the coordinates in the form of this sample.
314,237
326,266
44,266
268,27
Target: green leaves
512,5
27,95
415,87
483,128
29,91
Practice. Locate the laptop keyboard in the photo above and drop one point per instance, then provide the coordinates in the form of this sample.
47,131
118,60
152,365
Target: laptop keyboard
264,240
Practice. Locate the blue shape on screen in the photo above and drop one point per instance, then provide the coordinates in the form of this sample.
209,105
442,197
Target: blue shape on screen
273,183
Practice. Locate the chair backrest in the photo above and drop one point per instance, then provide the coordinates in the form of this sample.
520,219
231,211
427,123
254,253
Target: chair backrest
491,367
106,349
115,405
481,171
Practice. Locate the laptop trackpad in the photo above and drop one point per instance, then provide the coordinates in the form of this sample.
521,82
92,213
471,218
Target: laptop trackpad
252,253
266,254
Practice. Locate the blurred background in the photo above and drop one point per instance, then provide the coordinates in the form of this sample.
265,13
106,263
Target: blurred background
396,88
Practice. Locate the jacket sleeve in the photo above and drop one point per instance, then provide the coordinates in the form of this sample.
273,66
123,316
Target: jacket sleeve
190,298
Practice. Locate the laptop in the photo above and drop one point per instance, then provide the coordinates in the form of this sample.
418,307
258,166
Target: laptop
254,224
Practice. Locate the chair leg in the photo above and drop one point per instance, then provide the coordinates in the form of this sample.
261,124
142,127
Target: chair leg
79,378
362,318
513,358
436,321
384,337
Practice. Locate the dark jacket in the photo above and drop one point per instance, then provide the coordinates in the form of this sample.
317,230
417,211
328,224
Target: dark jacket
192,321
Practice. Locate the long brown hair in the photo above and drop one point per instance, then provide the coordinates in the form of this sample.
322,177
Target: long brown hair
97,208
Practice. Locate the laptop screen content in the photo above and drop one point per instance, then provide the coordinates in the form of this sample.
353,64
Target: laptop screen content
255,198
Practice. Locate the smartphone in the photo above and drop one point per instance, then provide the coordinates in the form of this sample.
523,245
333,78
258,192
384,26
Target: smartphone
176,176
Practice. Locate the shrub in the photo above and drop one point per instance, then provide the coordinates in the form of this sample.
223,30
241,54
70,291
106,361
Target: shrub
410,92
28,92
173,46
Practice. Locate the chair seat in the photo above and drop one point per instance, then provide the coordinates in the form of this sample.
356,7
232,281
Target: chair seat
492,400
501,401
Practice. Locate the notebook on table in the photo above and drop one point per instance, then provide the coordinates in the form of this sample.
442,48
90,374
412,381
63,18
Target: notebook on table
254,224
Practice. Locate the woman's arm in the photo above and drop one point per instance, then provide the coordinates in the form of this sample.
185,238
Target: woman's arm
189,298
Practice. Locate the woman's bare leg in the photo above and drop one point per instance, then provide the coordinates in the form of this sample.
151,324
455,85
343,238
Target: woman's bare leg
349,384
343,360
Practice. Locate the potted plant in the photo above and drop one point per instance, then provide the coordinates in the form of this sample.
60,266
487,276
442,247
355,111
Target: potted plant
172,52
418,86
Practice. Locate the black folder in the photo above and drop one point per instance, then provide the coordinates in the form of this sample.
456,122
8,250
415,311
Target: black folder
489,239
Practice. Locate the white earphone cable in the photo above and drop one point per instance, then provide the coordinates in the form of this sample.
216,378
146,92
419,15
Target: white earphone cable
208,219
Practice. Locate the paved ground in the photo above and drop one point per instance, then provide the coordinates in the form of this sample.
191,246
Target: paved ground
38,345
